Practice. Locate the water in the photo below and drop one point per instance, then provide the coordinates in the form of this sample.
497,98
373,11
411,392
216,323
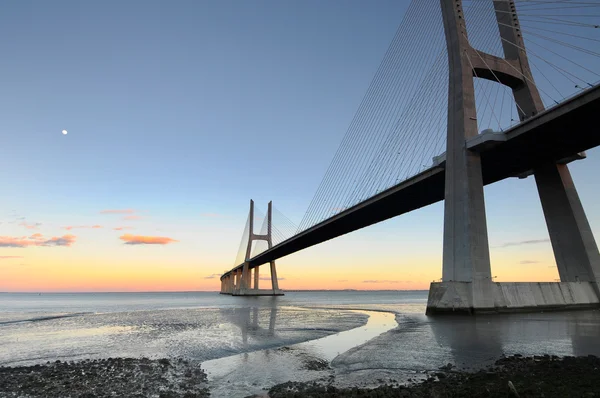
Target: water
27,303
238,376
197,325
361,337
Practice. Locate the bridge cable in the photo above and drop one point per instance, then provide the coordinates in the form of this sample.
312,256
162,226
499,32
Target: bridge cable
367,99
357,166
365,116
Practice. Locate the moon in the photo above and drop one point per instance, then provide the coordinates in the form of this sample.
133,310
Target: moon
64,132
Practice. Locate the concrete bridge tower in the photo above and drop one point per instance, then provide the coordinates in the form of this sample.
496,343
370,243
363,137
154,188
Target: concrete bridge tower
244,279
466,278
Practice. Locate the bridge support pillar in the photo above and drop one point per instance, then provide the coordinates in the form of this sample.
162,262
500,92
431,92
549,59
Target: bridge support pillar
256,277
466,258
274,281
573,242
467,284
245,271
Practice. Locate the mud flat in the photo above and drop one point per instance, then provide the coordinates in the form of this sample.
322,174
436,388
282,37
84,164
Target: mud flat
515,376
250,373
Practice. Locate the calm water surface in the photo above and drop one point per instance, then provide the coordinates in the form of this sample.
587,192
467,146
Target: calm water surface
36,328
364,336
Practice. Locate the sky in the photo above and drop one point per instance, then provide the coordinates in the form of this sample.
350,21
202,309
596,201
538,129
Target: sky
179,113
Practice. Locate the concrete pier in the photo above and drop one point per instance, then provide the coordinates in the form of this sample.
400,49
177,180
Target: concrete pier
456,297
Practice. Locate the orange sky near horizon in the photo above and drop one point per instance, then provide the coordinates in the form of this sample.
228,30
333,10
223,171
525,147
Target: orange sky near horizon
36,269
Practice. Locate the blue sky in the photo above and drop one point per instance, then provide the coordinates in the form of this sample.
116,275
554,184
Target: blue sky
202,96
183,111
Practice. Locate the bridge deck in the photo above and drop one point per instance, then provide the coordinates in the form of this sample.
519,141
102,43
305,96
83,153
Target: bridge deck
558,133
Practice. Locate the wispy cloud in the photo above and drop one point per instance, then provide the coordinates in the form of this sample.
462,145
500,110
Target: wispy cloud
30,226
130,218
9,257
117,211
212,276
268,278
70,227
383,281
525,242
122,228
146,240
528,262
36,240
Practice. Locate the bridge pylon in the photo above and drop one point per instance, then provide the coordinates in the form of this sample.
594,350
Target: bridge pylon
467,284
244,279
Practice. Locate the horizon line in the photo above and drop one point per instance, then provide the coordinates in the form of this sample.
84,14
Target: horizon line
210,291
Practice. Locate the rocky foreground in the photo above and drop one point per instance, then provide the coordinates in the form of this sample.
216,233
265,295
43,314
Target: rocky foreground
540,376
116,377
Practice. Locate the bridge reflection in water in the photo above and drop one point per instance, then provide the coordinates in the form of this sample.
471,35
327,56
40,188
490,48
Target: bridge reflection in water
425,343
257,323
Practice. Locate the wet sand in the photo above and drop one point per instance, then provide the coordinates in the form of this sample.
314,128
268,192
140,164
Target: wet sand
249,373
389,356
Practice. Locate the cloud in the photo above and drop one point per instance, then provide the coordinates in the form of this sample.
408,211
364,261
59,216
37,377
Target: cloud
146,240
342,280
130,214
525,242
384,281
9,257
122,228
129,218
36,240
30,226
117,211
268,278
70,227
212,276
528,262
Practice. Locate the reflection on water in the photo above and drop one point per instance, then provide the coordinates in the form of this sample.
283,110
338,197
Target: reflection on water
243,374
331,346
249,321
475,341
423,343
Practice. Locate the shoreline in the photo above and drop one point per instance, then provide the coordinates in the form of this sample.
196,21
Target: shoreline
548,376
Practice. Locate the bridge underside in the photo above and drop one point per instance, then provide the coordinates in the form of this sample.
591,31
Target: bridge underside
557,134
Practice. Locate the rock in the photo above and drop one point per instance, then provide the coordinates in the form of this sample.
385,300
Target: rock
512,389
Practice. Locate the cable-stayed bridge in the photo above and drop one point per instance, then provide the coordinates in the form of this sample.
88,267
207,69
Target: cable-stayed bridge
467,94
